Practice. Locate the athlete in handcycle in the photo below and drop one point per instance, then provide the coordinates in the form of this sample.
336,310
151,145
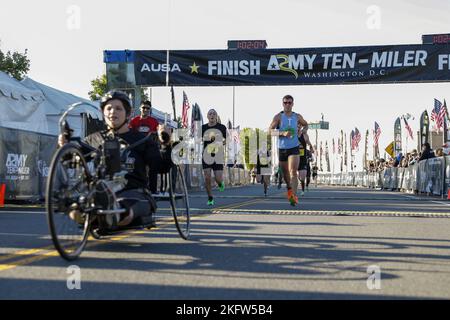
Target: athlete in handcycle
98,185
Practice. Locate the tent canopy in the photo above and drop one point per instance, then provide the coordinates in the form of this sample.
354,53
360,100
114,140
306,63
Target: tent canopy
20,106
57,102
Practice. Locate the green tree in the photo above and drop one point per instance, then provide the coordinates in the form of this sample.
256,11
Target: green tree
15,64
99,88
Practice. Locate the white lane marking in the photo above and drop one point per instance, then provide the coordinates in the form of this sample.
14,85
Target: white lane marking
444,203
23,234
21,212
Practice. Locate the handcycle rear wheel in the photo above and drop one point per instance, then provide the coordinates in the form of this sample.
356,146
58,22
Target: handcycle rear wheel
67,198
179,201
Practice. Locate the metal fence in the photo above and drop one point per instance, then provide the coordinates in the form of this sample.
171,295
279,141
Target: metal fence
431,176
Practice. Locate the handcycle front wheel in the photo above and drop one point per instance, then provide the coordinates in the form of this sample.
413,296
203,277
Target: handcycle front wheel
179,201
66,201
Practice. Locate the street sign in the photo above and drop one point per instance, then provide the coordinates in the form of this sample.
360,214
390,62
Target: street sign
321,125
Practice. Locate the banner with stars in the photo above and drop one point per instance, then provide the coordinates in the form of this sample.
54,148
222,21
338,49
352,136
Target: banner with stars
347,65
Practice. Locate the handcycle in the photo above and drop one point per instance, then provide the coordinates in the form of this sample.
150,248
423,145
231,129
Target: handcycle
85,180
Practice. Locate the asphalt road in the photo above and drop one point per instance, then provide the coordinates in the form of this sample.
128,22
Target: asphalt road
247,247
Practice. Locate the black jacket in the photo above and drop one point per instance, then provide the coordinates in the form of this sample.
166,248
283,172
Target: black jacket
427,154
135,160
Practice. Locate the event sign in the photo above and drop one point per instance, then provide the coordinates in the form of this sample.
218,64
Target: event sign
334,65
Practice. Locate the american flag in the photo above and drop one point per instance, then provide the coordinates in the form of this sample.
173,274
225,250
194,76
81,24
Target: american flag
376,133
352,137
186,107
356,139
408,128
438,114
235,135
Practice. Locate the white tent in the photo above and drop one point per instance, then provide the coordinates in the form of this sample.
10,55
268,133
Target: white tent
20,107
57,102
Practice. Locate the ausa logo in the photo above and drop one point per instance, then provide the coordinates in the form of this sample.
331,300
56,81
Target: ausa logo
281,62
160,67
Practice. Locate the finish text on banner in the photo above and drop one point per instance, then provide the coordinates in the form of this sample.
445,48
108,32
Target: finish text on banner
347,65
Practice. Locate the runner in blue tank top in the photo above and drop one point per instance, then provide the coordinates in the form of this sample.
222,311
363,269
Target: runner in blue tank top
285,124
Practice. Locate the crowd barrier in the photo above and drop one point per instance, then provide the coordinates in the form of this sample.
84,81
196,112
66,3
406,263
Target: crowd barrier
24,163
431,176
25,159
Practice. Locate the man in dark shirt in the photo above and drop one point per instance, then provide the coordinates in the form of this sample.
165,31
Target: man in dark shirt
427,153
214,138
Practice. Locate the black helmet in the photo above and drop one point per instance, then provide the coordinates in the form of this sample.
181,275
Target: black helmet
119,95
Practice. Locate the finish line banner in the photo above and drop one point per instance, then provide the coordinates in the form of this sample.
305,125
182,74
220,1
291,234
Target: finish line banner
266,67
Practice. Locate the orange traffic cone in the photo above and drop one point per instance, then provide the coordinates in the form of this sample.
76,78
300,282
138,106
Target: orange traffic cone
2,195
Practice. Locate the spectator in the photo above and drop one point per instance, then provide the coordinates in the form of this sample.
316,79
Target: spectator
439,152
446,148
398,160
413,157
427,153
147,125
371,166
404,161
253,174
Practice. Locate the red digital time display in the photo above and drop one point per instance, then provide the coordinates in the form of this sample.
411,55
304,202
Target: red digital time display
442,38
247,44
436,38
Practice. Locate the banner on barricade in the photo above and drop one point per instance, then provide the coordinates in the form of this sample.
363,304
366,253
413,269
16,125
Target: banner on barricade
18,154
24,160
430,176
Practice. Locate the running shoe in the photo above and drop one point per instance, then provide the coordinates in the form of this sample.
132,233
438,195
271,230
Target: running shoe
221,186
210,202
289,193
302,193
293,200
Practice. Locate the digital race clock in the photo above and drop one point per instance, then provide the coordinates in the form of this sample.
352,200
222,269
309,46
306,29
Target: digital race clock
247,44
